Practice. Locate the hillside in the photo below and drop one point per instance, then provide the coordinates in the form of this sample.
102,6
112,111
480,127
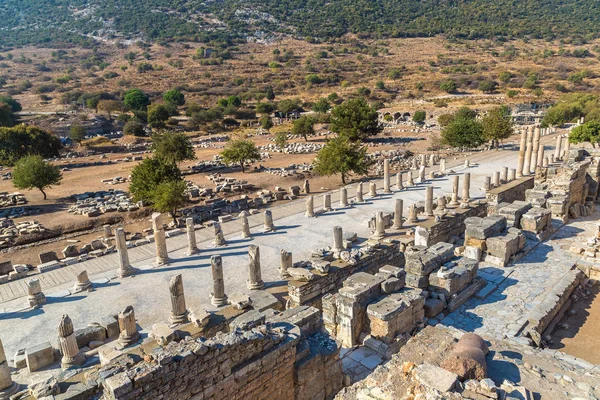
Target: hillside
78,21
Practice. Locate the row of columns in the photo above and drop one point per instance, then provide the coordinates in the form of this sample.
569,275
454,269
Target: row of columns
532,151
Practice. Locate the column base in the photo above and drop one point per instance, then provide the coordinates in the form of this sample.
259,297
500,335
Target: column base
269,229
126,341
218,301
125,272
37,300
260,285
162,261
192,252
82,287
310,215
179,319
9,391
76,361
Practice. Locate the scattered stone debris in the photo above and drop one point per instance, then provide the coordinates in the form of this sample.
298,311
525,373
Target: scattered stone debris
92,204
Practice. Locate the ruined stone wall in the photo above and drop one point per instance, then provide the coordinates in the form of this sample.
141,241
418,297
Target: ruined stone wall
452,225
310,293
511,191
257,364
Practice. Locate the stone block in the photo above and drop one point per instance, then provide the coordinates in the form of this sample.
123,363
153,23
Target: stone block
261,300
88,334
417,281
48,256
361,287
39,356
388,271
503,247
395,314
110,324
435,377
6,267
474,253
421,262
536,220
247,321
513,212
451,279
433,307
49,266
445,251
392,285
483,228
70,251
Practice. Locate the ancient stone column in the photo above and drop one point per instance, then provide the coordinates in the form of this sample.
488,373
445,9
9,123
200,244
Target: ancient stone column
467,163
423,160
496,179
219,237
466,187
162,256
512,174
442,166
338,239
522,147
412,214
218,297
455,185
269,226
125,268
179,313
399,183
421,178
386,176
191,235
128,334
545,162
107,231
245,225
536,149
285,264
327,201
567,147
504,175
410,181
372,189
413,164
255,281
379,226
343,197
441,203
359,193
399,204
487,183
310,206
67,343
34,293
306,187
528,153
429,201
7,386
83,282
431,160
540,156
558,149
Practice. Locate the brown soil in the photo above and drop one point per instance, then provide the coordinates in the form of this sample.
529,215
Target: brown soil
581,339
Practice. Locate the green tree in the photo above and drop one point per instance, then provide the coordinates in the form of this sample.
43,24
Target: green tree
342,156
234,101
266,122
303,126
77,133
148,175
289,105
465,112
355,119
172,147
497,125
134,128
136,99
158,114
321,106
33,172
587,132
281,139
22,140
265,108
240,151
487,86
6,116
169,196
449,86
270,95
445,119
419,116
174,97
463,133
505,76
14,105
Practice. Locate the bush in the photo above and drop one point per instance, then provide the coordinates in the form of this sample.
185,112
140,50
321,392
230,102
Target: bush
419,116
134,128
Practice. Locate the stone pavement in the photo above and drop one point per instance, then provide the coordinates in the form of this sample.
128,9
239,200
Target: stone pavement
148,291
515,291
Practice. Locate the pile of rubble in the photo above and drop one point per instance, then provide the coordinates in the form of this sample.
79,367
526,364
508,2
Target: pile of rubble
9,230
293,148
6,176
293,170
223,184
12,199
92,204
114,181
206,166
210,141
